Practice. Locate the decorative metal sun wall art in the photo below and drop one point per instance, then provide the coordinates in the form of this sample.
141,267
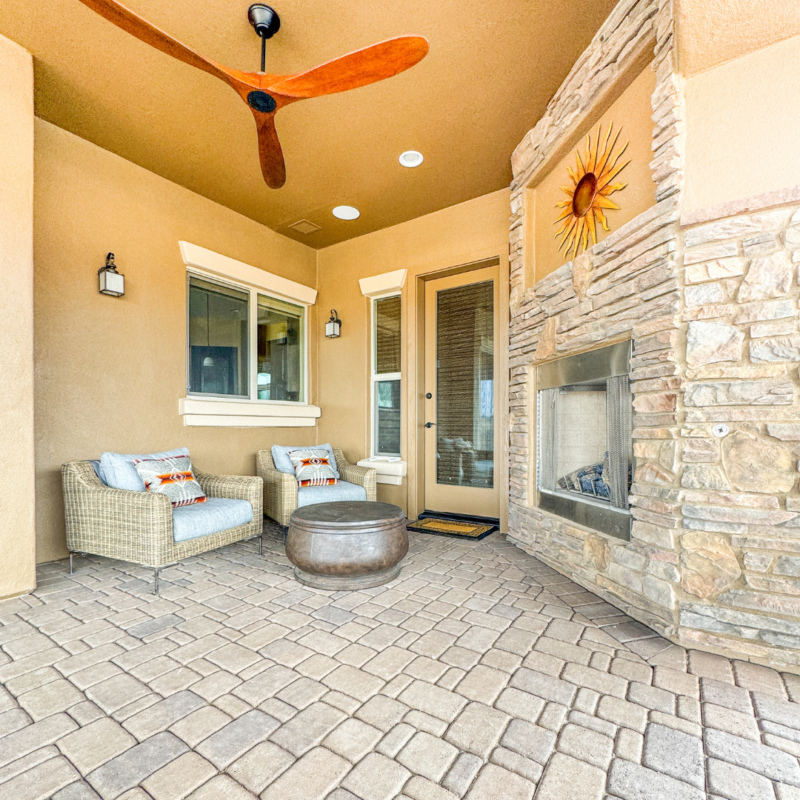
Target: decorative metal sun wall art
589,193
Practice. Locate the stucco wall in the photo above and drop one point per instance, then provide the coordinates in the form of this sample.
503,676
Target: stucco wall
742,119
712,32
110,371
461,234
17,538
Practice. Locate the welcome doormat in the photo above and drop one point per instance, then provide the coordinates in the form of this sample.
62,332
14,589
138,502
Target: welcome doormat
451,527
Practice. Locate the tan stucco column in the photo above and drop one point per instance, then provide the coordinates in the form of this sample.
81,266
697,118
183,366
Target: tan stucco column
17,532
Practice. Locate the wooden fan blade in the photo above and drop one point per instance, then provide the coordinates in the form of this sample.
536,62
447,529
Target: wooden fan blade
125,19
270,154
372,64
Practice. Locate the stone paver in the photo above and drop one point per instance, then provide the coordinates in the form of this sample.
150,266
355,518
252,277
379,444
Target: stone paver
376,778
566,775
493,779
674,753
179,778
128,770
634,782
428,756
96,743
236,738
478,674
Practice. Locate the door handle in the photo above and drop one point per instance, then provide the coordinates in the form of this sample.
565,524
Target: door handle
429,424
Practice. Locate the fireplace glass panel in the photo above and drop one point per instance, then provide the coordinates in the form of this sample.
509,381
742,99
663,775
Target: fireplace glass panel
582,444
584,439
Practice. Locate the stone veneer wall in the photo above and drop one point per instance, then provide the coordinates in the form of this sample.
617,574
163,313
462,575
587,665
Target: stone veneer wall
710,304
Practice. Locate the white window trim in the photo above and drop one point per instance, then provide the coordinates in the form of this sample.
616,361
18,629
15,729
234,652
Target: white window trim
231,269
385,285
390,470
251,412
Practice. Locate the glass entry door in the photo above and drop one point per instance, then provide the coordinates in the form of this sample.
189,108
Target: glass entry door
461,390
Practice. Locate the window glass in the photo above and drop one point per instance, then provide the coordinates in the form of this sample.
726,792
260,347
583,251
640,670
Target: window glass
281,349
465,386
387,335
218,334
386,377
387,418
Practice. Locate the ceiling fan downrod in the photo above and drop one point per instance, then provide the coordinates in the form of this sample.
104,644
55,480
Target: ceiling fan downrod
267,23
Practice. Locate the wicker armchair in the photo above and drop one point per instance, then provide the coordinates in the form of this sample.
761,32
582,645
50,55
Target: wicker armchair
137,526
280,488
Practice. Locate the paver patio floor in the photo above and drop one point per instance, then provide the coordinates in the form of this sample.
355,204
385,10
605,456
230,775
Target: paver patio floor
480,673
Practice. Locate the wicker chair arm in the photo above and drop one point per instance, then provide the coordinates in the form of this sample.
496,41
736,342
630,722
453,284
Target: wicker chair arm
234,487
280,489
361,476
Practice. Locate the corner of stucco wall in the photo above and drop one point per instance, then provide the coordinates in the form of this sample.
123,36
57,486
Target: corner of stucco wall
17,470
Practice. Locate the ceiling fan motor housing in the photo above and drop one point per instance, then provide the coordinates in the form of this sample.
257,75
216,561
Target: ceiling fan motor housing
264,19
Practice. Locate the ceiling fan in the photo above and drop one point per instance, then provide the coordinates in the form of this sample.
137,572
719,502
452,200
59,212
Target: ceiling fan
267,94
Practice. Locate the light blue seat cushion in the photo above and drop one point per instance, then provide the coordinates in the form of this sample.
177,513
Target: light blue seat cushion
215,515
280,457
118,472
308,495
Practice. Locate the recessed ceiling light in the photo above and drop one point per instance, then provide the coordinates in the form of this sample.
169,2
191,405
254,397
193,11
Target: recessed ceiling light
346,212
411,158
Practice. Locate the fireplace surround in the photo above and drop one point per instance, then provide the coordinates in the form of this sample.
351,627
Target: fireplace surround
708,299
584,446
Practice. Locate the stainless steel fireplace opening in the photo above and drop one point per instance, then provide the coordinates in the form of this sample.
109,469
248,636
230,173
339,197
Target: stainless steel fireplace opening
584,443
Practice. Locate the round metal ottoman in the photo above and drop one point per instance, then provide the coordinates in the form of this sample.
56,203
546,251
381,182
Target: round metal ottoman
347,545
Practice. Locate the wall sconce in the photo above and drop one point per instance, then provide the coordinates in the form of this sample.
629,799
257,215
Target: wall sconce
333,326
111,282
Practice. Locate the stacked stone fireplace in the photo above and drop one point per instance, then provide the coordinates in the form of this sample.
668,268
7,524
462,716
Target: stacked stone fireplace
707,303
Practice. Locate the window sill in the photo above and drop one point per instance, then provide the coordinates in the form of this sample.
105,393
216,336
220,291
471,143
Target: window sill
246,413
391,472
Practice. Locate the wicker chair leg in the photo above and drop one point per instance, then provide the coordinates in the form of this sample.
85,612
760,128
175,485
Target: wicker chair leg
70,562
156,582
261,545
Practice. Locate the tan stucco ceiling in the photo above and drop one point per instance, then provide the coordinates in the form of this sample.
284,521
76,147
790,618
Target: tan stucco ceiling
712,32
492,68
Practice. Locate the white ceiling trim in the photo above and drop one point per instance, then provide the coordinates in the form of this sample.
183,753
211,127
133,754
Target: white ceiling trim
226,267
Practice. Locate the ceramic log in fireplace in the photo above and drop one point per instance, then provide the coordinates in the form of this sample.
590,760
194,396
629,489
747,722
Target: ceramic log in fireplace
584,445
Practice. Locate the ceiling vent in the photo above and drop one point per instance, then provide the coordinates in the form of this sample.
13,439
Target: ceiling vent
304,226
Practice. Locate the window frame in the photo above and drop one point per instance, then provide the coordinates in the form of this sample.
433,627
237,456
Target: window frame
377,378
252,342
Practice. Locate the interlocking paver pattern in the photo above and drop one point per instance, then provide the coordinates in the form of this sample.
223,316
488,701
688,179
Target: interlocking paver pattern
479,674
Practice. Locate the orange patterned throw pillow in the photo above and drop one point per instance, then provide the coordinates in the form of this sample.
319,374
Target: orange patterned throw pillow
313,468
172,477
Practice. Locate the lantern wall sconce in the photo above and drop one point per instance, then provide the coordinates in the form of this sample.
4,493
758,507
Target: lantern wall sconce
111,282
333,326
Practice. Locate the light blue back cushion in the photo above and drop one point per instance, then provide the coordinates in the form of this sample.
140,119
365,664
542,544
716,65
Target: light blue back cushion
280,457
308,495
215,515
118,472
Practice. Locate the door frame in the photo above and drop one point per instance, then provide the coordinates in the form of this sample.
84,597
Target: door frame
415,383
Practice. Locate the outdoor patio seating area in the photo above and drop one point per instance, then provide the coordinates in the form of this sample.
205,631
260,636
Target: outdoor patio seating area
478,673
